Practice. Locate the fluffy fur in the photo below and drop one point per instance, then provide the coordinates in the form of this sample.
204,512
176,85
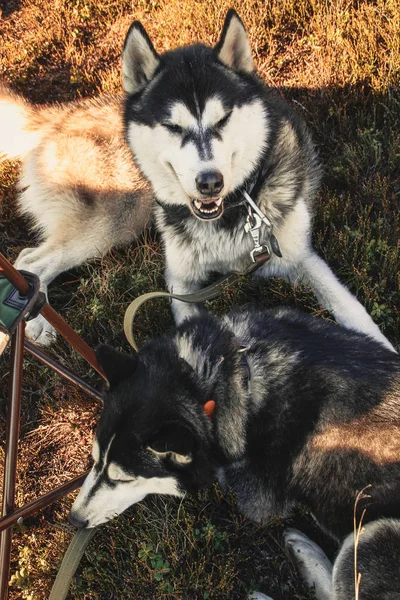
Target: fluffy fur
317,421
79,184
201,126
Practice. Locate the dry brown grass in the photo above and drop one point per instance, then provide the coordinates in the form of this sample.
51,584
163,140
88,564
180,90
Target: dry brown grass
339,62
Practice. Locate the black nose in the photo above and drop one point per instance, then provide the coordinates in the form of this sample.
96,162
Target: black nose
76,521
210,183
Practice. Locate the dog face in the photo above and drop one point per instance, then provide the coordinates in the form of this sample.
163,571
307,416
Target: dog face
151,438
195,118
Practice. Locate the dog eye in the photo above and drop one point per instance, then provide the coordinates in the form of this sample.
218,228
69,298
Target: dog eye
122,479
173,128
222,121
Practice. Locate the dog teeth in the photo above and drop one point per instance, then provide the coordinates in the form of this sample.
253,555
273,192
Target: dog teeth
203,207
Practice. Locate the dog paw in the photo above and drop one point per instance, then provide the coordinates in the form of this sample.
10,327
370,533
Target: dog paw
355,317
312,562
23,258
259,596
40,331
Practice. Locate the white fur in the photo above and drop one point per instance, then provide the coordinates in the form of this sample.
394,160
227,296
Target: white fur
313,564
109,501
16,140
187,268
173,169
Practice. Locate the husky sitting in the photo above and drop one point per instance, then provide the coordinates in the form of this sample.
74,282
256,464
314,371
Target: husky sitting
204,132
313,417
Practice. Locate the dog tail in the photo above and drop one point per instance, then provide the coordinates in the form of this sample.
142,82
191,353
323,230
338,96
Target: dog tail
21,125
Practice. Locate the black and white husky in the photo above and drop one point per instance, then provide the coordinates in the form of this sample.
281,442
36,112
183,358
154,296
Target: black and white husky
207,133
313,417
204,132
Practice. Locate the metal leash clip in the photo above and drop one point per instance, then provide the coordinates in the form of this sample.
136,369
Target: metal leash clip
257,217
253,226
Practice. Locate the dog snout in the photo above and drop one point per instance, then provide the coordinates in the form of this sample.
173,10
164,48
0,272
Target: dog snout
76,521
210,183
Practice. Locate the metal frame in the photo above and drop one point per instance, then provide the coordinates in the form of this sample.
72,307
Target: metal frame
11,514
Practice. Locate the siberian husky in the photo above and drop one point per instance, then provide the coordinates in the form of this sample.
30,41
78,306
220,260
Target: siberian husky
313,417
204,131
207,134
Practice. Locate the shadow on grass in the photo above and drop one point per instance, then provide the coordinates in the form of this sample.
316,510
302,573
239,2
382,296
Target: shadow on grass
356,229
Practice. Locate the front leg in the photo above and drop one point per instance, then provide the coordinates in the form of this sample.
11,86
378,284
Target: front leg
312,562
179,285
335,297
184,274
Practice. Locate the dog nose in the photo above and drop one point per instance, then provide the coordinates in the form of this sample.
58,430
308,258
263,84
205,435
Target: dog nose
76,521
210,183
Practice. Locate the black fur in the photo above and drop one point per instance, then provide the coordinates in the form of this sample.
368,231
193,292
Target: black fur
315,376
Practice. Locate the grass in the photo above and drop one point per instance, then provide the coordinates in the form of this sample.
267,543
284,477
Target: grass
339,64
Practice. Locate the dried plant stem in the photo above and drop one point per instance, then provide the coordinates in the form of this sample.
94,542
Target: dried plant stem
358,531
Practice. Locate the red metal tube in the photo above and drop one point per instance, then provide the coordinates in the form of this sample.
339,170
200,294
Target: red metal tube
11,450
61,370
39,503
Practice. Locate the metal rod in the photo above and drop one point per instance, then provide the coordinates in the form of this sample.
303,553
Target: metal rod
254,206
72,337
13,276
11,450
39,503
9,515
20,283
61,370
5,560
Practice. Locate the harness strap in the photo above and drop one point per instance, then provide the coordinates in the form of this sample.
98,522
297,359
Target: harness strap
207,293
70,563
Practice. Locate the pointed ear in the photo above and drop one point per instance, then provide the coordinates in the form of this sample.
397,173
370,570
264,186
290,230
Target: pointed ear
116,365
175,442
139,59
233,48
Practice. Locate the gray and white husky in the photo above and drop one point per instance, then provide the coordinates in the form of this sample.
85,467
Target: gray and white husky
313,417
204,131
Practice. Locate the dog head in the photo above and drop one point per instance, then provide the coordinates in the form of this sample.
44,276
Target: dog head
152,438
195,118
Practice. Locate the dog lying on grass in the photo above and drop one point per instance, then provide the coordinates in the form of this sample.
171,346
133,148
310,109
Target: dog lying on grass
313,417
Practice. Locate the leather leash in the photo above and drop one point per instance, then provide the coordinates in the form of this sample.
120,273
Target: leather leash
70,563
207,293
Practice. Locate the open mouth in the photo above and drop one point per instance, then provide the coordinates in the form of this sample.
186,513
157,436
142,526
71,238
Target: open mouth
212,208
